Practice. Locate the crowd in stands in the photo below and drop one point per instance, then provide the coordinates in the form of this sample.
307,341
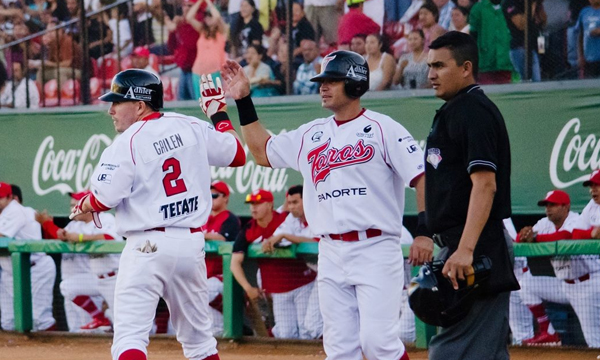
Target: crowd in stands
183,39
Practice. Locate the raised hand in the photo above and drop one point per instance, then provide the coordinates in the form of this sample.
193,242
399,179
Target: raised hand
212,99
235,78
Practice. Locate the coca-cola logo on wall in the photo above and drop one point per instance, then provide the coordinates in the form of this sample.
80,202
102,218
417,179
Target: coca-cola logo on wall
574,155
66,170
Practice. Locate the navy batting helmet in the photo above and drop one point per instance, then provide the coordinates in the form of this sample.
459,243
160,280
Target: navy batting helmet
348,66
136,85
433,299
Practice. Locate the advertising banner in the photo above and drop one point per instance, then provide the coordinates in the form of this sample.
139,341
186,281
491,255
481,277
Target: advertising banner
554,142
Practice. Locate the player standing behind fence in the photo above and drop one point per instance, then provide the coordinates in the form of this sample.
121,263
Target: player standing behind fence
295,229
222,225
157,175
355,165
468,195
18,221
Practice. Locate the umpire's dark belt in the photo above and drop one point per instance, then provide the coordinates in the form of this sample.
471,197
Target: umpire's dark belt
355,235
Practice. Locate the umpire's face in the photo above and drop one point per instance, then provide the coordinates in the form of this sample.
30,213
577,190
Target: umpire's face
446,76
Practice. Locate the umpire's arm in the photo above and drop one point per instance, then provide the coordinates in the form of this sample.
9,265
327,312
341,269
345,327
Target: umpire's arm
480,205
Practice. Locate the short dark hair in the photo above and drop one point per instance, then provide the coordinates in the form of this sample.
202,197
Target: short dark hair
463,10
296,189
462,47
16,191
432,8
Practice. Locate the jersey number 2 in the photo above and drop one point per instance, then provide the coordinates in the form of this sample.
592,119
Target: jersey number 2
171,182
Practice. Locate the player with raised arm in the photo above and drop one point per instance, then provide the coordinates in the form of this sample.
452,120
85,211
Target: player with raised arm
352,162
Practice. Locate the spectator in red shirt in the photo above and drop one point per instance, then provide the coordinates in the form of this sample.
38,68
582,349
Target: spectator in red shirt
284,279
355,22
182,44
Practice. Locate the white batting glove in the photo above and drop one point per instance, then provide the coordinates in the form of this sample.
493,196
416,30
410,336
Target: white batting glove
212,99
77,210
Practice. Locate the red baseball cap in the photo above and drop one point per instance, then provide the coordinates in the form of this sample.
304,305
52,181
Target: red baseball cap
259,196
555,197
594,179
221,187
5,190
78,195
141,52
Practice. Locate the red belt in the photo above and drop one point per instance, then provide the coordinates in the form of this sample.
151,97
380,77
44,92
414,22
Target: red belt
162,229
579,279
107,275
355,235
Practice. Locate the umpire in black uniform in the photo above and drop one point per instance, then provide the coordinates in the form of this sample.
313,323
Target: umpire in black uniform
467,196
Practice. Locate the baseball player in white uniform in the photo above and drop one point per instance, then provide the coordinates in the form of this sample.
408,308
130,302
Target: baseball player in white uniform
557,225
582,278
103,268
355,165
520,319
17,221
295,229
407,317
156,175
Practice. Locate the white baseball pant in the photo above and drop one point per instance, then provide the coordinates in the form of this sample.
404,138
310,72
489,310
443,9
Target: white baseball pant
289,312
360,290
585,299
176,271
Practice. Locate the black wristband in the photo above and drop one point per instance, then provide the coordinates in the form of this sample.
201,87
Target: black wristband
422,229
246,110
218,117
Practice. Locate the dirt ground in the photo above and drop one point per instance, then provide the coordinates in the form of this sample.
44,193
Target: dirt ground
62,346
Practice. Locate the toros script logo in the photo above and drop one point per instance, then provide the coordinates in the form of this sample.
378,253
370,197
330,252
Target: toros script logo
323,159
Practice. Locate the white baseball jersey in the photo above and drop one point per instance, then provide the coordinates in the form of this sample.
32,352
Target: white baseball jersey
18,221
590,216
568,267
172,189
295,226
339,197
98,264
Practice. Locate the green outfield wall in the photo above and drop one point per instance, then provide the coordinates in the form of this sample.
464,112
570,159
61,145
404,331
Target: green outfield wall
555,143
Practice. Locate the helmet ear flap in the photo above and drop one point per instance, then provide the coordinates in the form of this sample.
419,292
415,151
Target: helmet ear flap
355,89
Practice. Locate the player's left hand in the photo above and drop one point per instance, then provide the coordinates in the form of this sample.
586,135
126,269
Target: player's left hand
71,237
212,99
421,250
236,79
458,266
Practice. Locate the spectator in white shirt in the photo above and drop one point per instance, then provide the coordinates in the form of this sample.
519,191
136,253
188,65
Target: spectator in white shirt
21,92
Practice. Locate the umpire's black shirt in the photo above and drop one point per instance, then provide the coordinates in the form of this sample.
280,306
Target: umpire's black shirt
468,134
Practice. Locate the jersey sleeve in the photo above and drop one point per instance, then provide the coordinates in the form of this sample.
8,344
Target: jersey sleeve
402,152
11,222
473,128
241,243
283,149
583,222
221,147
113,178
286,226
230,228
